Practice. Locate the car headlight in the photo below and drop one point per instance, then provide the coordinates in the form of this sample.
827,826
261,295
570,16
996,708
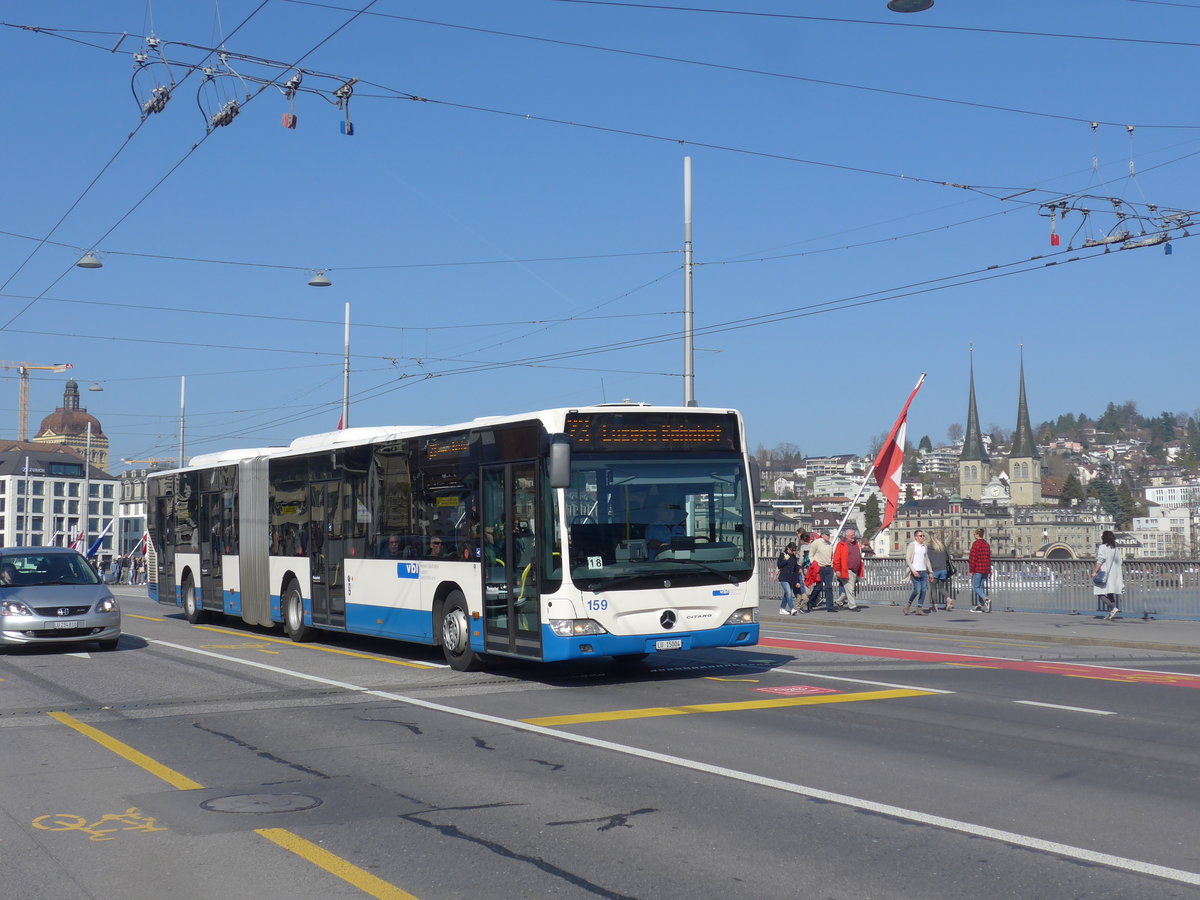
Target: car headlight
746,616
14,608
575,627
107,605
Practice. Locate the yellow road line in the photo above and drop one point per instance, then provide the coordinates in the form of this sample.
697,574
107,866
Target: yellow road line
170,776
318,856
147,618
290,643
335,865
774,703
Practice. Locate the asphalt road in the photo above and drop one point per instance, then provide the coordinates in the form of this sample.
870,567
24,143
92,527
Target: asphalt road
225,762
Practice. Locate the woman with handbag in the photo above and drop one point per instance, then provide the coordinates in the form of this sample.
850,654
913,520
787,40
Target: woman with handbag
1108,579
941,570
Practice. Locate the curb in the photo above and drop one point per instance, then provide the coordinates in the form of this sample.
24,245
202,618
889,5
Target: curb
843,622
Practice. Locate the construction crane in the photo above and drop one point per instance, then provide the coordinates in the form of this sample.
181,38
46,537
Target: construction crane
24,368
152,461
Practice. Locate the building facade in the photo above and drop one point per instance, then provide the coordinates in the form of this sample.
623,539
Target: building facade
49,497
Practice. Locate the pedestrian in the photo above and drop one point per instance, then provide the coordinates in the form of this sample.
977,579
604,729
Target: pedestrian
848,566
789,576
821,553
917,556
941,574
979,564
1108,578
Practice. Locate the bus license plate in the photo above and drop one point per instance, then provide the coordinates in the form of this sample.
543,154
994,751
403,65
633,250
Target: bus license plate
66,624
668,645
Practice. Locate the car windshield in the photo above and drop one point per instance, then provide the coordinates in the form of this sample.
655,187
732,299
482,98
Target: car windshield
33,568
633,520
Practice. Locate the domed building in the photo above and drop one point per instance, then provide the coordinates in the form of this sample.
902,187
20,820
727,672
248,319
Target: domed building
69,425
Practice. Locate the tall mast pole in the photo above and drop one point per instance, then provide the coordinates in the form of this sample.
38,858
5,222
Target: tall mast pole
689,356
346,375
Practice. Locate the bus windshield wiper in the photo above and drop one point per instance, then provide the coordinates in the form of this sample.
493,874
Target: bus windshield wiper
703,565
617,580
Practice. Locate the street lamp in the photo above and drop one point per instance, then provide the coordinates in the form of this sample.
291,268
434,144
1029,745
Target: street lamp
909,6
89,260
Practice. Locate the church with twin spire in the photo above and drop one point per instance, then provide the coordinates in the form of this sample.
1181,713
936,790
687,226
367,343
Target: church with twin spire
1008,505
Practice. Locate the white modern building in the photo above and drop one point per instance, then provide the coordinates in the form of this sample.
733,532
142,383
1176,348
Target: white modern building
48,497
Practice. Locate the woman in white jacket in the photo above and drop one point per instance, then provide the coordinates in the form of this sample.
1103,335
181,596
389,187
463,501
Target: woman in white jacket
1108,561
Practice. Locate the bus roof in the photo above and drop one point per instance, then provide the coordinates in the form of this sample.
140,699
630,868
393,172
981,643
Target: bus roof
554,418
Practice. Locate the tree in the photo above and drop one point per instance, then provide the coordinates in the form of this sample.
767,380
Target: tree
1072,491
871,515
925,443
954,432
1106,492
1129,506
908,493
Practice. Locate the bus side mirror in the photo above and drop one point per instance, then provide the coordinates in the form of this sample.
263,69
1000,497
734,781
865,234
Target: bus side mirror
756,479
560,461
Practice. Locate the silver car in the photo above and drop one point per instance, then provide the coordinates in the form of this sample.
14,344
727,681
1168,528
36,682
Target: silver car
51,595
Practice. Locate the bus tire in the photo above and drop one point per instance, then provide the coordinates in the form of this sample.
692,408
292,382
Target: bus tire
292,603
191,603
456,635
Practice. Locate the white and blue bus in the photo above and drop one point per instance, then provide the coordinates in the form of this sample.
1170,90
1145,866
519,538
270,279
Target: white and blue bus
538,536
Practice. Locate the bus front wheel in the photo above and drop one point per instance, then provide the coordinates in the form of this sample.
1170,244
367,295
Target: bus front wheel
456,635
191,603
293,614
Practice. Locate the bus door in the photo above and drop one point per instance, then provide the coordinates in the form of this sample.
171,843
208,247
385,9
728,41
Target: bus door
511,596
161,577
326,554
212,588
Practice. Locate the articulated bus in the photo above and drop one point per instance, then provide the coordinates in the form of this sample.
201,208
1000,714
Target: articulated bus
613,530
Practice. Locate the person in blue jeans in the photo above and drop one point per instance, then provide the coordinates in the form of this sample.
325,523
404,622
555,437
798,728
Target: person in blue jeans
789,576
918,570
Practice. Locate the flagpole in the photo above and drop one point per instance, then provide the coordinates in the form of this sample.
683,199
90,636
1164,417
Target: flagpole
871,470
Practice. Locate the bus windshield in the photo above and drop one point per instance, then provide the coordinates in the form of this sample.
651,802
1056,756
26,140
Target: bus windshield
633,522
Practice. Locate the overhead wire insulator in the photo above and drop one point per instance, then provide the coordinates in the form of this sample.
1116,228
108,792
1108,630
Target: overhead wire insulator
343,95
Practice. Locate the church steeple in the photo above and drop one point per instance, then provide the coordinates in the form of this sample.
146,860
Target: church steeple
1024,463
1023,444
974,467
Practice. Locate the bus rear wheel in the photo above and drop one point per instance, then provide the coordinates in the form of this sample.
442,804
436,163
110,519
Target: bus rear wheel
456,635
191,603
293,614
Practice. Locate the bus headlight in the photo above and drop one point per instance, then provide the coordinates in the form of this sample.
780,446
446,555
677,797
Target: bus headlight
575,627
746,616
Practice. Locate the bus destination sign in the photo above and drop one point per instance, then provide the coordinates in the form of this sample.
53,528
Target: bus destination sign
638,431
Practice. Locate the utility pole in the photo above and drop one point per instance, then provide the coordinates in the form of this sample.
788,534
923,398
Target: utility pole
689,355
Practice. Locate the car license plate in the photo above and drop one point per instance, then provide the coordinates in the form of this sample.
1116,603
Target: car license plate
668,645
66,624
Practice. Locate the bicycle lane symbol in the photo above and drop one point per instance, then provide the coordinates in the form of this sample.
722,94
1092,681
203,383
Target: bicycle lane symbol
130,820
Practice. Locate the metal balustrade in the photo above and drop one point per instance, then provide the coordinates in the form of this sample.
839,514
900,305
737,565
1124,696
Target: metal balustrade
1158,589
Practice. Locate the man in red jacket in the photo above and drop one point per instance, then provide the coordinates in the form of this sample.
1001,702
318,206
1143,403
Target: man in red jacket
979,564
848,566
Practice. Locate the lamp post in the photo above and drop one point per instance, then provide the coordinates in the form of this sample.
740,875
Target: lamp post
689,356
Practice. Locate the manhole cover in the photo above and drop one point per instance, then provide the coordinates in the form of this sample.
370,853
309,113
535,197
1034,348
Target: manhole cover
260,803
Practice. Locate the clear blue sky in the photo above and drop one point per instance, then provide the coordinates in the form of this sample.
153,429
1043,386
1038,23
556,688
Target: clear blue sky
819,181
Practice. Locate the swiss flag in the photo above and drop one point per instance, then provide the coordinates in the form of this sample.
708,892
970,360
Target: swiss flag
889,465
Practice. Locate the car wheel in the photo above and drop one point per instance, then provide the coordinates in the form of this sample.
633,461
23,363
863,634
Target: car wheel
293,614
456,635
191,603
109,645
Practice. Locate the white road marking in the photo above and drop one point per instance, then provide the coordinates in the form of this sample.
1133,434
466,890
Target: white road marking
1082,709
898,812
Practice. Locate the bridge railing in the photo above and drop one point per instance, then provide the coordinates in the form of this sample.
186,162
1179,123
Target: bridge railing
1161,589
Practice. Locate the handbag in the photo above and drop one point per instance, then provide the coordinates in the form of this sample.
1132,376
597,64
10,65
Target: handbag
1100,578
